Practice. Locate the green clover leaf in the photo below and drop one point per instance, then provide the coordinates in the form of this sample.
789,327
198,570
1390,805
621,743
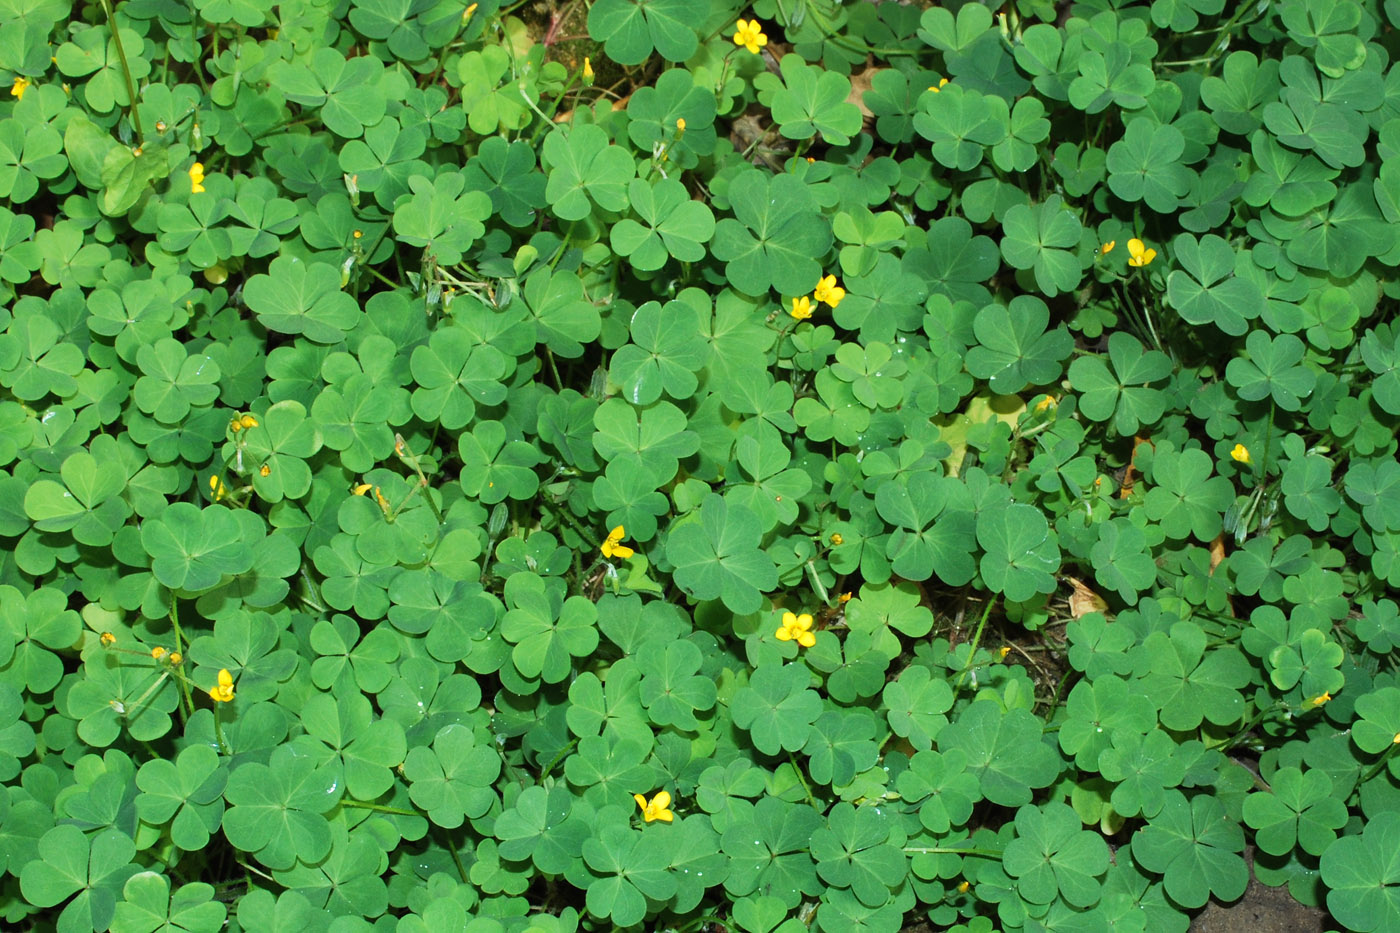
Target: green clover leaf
630,29
676,227
69,862
1186,499
296,297
934,528
546,629
1014,351
186,793
1038,239
1125,394
808,100
441,216
777,708
1358,871
851,851
585,168
1207,291
1299,809
1145,165
1194,844
1021,553
452,779
276,808
1004,751
1053,854
1271,370
775,238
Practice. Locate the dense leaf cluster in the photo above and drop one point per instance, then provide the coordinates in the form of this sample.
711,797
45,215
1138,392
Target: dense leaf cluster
456,474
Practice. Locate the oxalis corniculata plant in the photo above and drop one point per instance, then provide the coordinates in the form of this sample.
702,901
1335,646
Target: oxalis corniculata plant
680,466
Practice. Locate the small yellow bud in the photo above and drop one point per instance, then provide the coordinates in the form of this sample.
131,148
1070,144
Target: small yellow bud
108,639
158,652
836,540
1107,247
1241,455
248,421
160,126
357,234
587,72
176,657
264,470
467,13
19,87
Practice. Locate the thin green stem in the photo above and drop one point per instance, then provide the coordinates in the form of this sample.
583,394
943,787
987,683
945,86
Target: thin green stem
134,113
379,808
701,921
951,850
558,758
976,640
407,456
816,581
1375,768
803,778
1242,735
456,857
179,649
219,731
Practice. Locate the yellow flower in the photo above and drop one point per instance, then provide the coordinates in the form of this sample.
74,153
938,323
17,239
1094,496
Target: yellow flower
614,548
217,488
749,35
467,13
1138,255
264,470
1241,455
837,540
1107,247
176,657
1005,650
223,693
363,488
1045,404
942,83
18,88
827,290
157,652
801,308
1319,700
963,888
108,639
587,72
657,809
248,421
797,628
196,178
844,598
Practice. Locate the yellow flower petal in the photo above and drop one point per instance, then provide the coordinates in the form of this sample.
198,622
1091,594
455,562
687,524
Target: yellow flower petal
1241,455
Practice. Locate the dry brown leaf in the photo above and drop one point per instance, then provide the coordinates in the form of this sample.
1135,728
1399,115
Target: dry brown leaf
1084,600
1217,552
860,83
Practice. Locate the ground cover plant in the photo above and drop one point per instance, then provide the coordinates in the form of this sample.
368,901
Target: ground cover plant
673,465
